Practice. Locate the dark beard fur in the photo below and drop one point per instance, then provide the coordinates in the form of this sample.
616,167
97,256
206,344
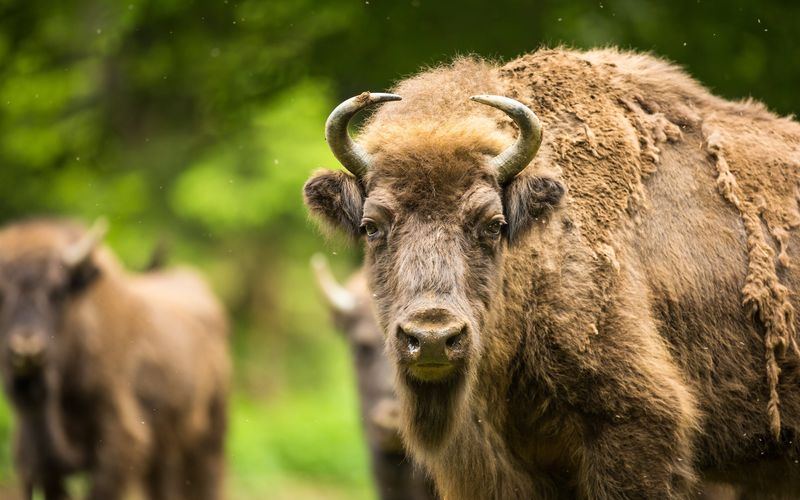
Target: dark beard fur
432,409
28,391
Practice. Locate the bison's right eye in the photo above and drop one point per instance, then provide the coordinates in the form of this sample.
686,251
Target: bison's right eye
370,229
495,227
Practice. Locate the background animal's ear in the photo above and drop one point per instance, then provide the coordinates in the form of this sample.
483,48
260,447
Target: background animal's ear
78,257
82,275
337,198
527,199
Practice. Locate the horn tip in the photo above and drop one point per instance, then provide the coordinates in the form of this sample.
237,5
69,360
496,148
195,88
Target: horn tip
319,261
101,224
383,97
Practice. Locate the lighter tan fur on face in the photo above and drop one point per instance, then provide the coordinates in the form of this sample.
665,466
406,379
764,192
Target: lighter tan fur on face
404,143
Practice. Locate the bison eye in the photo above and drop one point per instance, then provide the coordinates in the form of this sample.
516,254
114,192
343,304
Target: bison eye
495,227
370,229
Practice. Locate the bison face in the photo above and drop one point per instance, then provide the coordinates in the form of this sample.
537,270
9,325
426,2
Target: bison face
437,201
435,232
431,265
38,277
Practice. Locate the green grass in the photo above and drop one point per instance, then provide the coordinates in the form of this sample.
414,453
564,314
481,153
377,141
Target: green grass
301,446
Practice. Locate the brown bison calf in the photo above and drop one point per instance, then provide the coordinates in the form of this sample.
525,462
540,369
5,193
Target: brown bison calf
122,376
394,471
593,301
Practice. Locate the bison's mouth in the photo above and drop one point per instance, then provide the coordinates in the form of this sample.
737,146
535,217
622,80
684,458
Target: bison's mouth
432,371
427,379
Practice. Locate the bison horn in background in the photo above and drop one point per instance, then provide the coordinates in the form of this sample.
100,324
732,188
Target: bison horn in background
79,251
339,298
350,154
511,161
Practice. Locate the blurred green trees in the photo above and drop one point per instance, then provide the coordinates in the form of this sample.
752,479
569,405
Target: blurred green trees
198,121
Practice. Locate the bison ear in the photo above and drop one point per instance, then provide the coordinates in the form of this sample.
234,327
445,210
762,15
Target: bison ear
82,275
337,198
528,199
78,258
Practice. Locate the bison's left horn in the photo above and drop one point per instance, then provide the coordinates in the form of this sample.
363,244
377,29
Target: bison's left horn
350,154
79,251
511,161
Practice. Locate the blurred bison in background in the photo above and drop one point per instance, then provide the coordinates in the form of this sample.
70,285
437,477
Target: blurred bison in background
123,376
614,319
351,307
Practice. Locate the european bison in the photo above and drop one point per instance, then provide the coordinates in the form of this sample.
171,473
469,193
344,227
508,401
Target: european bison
613,317
119,375
351,307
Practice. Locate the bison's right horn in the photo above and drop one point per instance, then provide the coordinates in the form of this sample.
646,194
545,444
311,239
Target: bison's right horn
339,298
350,154
79,251
511,161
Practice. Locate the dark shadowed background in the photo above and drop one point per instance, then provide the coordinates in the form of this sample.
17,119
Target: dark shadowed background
197,122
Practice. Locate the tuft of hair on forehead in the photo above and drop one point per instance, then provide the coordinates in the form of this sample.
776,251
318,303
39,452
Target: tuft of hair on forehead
441,92
436,119
435,146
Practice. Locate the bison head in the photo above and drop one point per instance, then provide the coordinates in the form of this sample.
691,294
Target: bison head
43,264
437,206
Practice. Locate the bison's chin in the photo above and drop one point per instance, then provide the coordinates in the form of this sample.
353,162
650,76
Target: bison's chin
432,408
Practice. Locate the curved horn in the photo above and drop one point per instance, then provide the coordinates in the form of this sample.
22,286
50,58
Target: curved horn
82,249
511,161
338,297
344,149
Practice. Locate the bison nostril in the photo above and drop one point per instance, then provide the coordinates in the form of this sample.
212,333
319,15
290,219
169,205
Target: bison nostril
454,342
411,341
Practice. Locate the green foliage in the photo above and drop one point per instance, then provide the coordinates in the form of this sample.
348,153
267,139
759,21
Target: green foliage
299,436
5,441
198,122
250,182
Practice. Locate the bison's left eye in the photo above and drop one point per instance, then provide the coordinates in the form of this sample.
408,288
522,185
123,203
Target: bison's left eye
370,228
495,227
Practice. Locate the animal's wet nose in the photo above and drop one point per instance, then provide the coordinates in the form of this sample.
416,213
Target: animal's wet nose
432,342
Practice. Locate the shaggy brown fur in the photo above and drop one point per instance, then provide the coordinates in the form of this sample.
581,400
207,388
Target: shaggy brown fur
623,340
133,380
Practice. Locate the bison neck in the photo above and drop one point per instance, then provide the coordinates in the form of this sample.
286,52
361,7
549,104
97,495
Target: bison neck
432,412
475,455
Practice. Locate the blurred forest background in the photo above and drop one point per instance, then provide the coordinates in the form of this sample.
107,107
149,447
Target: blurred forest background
198,122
